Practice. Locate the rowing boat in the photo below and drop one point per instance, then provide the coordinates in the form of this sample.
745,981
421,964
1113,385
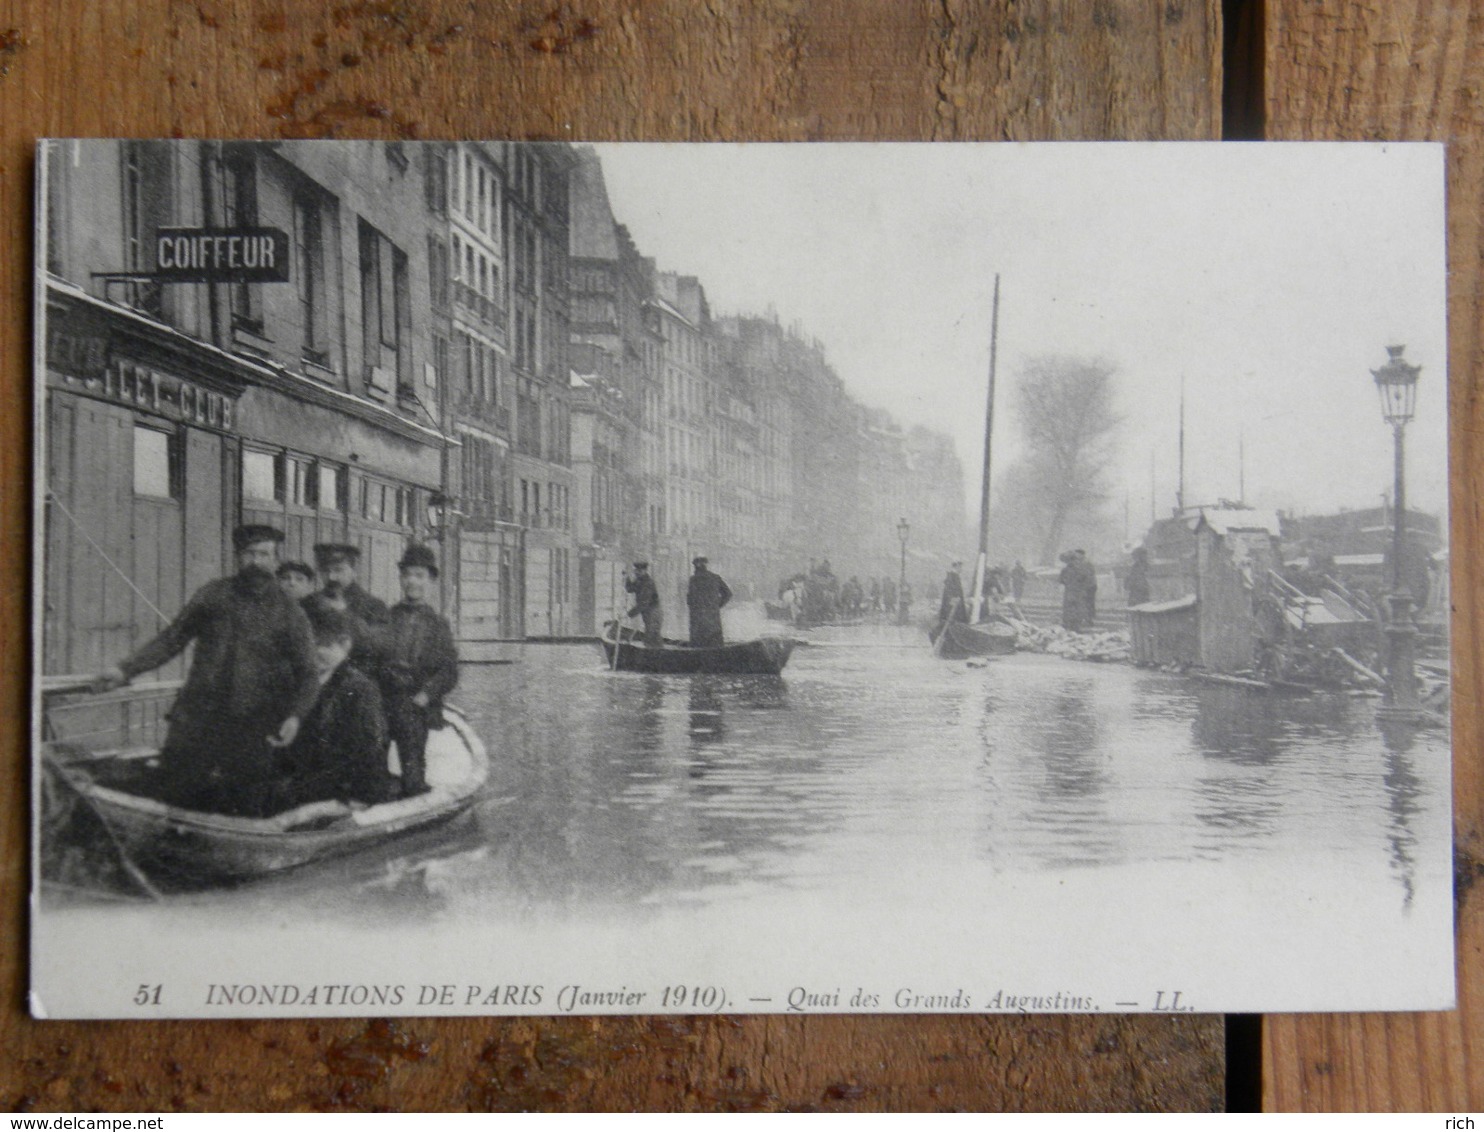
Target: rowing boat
191,848
764,656
990,638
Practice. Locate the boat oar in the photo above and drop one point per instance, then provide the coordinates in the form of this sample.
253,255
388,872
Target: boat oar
63,775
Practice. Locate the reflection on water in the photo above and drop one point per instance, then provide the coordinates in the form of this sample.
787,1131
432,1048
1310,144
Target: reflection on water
621,792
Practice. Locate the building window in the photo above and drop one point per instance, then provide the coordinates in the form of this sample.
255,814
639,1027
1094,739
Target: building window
436,184
440,361
145,201
262,477
240,210
384,308
302,486
438,272
156,470
331,487
309,262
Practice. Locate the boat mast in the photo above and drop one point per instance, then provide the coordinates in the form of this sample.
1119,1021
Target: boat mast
983,564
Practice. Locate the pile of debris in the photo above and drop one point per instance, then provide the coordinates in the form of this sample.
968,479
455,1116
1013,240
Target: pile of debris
1057,641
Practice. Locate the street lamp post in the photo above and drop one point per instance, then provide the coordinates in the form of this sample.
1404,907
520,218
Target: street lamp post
903,530
1396,382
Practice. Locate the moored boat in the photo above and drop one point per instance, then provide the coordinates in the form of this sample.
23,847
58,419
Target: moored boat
191,848
954,640
765,656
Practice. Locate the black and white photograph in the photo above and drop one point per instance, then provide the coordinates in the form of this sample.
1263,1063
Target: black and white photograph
490,577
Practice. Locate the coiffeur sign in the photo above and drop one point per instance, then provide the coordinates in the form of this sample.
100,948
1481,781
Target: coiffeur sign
221,255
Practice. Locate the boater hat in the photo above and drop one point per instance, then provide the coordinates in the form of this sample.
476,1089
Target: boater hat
250,534
641,565
701,560
333,553
419,555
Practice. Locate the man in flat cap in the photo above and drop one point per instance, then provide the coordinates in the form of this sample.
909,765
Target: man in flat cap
646,604
420,666
251,683
367,615
704,597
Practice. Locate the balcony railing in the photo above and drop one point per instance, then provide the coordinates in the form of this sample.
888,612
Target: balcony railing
483,309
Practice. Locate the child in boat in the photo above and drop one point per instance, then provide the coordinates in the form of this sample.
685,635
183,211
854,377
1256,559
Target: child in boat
341,749
420,667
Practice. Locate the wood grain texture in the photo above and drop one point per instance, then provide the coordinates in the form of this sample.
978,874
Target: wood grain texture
1409,70
608,69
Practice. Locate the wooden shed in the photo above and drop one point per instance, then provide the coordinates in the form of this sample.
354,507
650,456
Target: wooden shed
1207,566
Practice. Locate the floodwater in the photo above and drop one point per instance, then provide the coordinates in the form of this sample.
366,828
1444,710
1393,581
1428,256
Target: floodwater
874,824
613,791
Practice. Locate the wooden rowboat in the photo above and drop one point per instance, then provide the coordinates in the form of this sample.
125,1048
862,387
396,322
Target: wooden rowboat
991,638
765,656
190,848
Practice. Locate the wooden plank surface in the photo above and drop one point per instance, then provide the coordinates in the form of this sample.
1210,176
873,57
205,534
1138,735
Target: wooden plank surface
608,69
1406,70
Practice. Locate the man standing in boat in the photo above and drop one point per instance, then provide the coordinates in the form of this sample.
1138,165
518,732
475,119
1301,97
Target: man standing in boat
251,683
646,604
420,666
951,607
704,598
367,615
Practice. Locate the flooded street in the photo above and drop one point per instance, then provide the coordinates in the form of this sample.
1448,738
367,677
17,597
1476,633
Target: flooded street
881,817
624,791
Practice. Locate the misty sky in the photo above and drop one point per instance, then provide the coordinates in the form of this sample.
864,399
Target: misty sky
1270,278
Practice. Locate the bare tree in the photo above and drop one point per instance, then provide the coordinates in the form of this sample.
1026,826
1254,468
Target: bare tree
1064,406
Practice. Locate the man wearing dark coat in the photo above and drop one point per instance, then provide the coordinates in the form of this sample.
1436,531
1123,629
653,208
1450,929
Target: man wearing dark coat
1136,584
1071,593
341,749
368,615
1087,575
704,597
646,604
420,665
951,607
1017,581
251,683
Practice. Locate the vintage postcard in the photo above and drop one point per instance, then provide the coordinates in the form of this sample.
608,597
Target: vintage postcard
506,578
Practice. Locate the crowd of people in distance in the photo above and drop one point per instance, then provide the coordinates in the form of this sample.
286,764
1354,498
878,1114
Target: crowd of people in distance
818,596
299,683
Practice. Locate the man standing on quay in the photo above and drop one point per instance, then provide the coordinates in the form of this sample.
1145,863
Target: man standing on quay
646,604
252,680
704,597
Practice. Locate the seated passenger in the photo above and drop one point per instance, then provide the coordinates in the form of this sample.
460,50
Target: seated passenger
296,579
341,749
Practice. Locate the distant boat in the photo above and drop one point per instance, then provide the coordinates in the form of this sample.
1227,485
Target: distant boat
192,848
765,656
963,641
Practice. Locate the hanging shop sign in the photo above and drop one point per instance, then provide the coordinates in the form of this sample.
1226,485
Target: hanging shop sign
221,255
